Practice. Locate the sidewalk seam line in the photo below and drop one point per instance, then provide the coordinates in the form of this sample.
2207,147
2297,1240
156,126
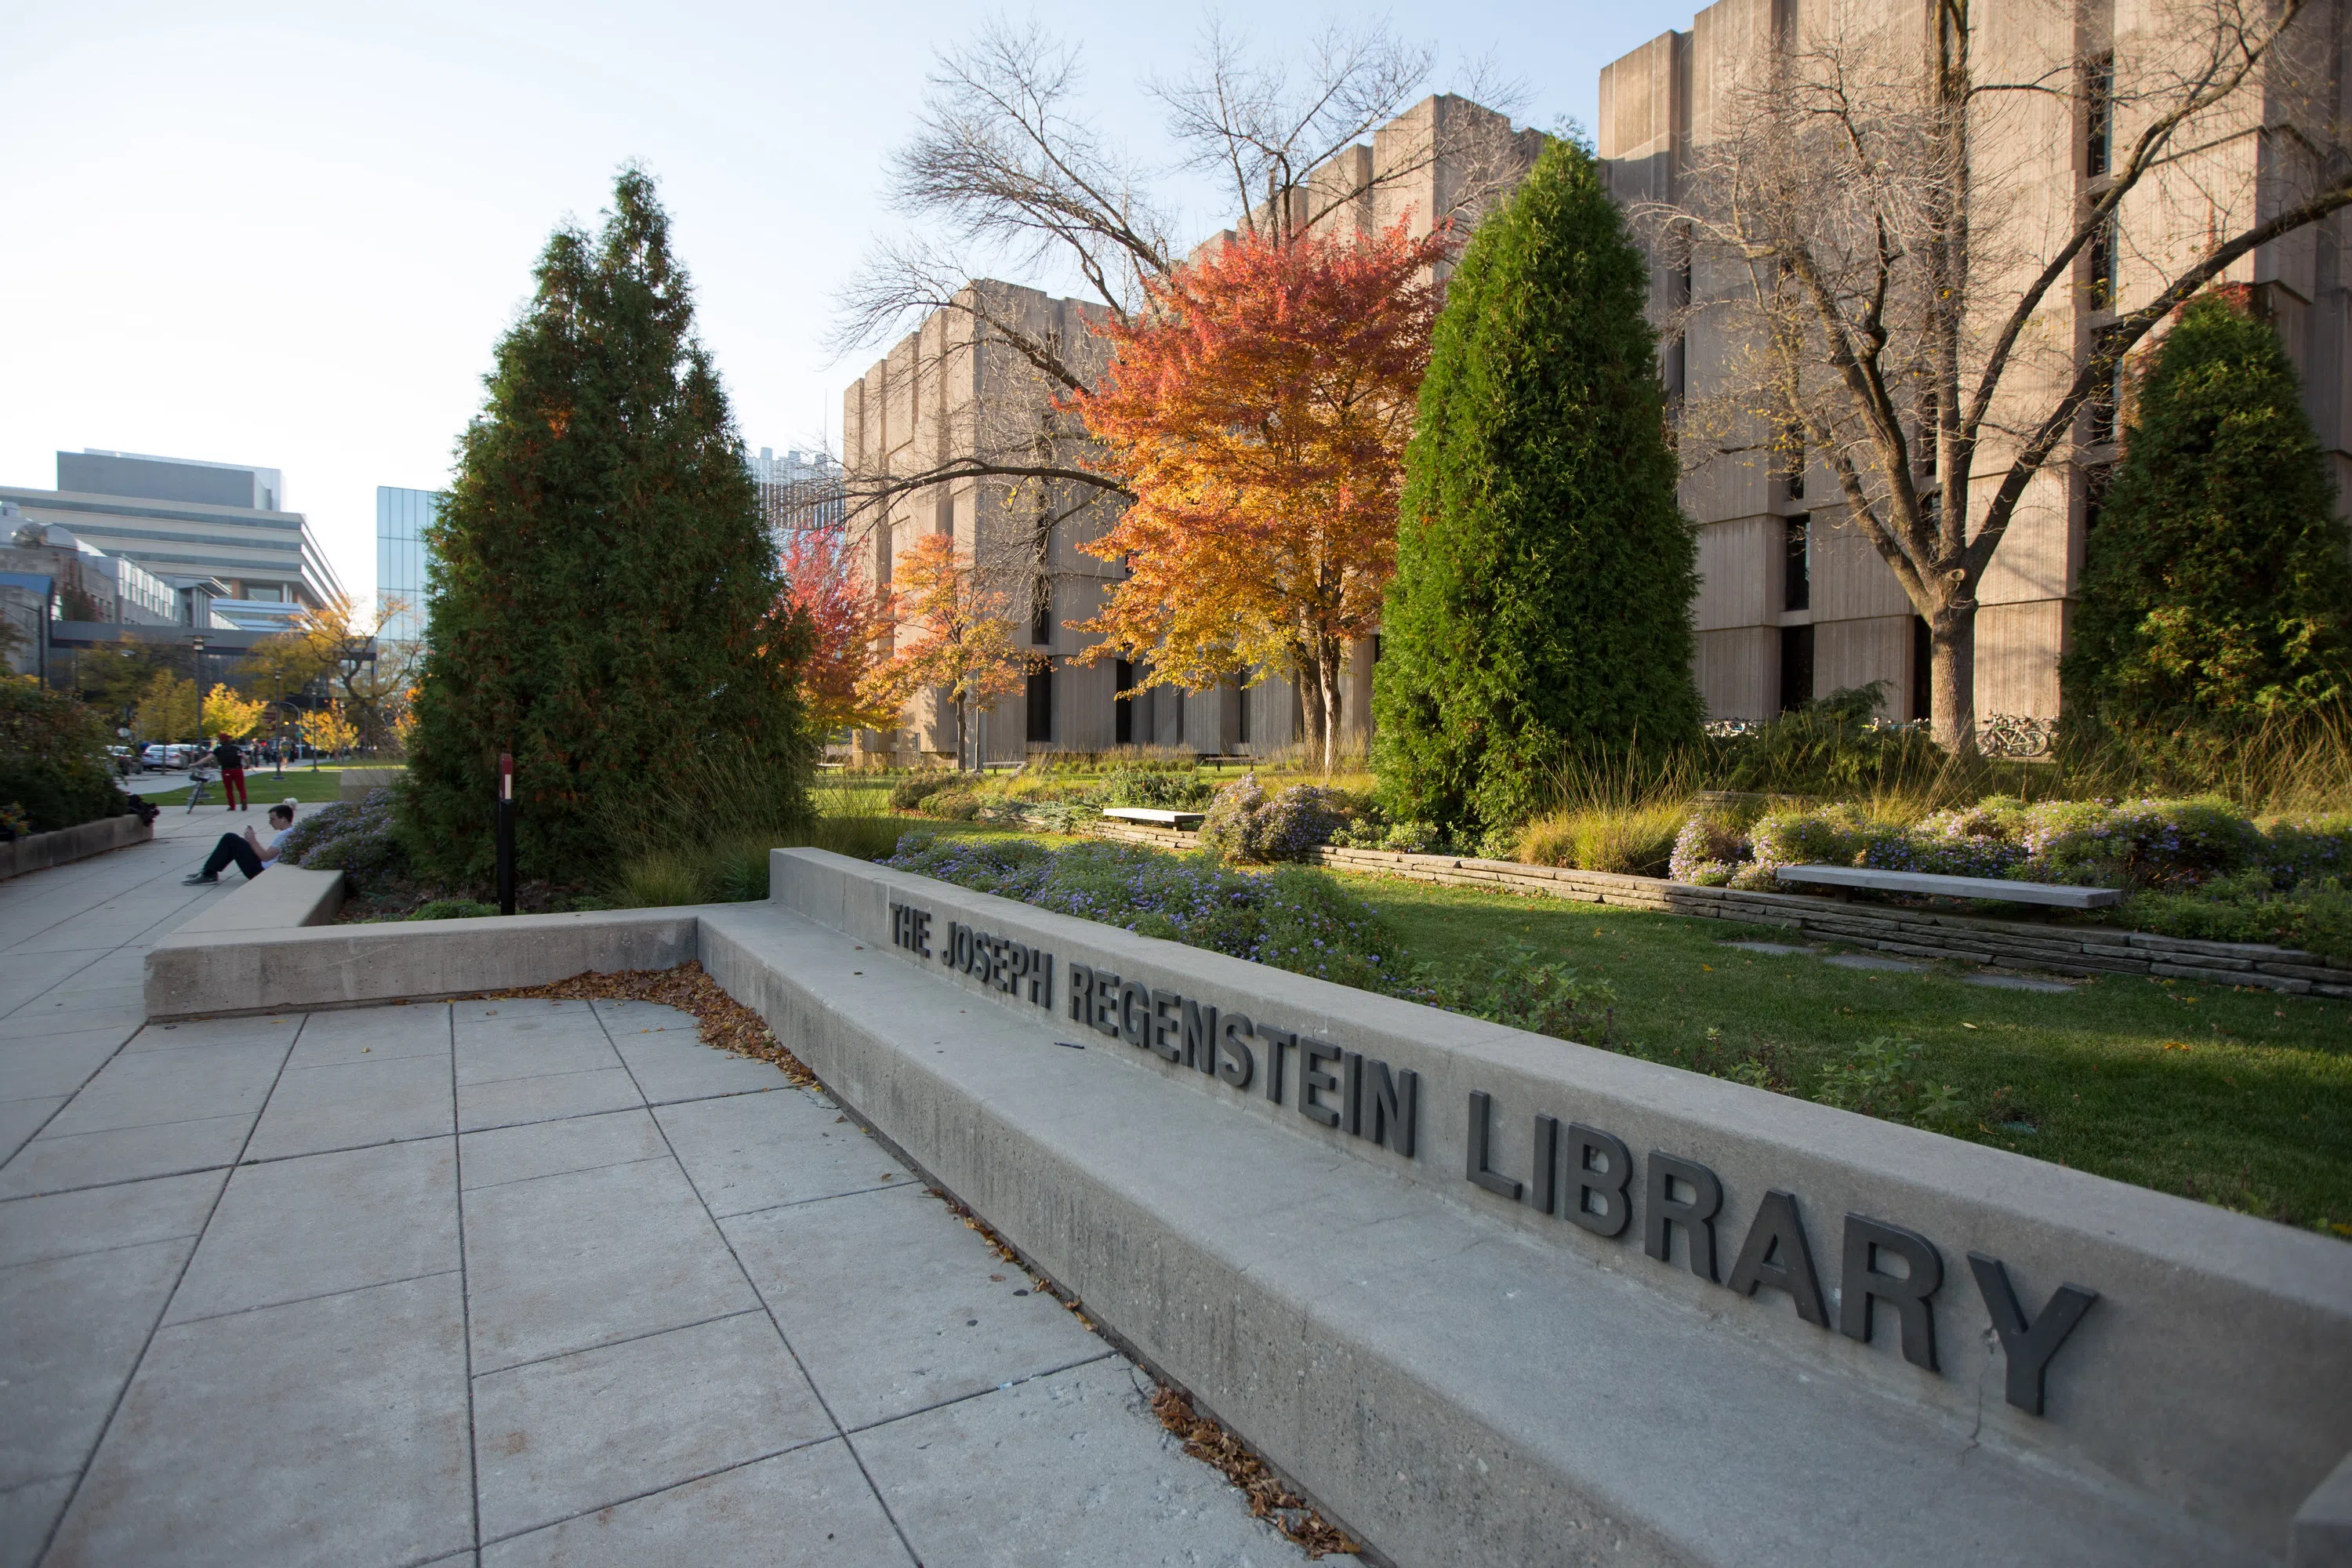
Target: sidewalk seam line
783,1339
147,1346
501,1369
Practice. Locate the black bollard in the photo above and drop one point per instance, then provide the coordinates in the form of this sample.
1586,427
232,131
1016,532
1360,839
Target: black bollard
506,834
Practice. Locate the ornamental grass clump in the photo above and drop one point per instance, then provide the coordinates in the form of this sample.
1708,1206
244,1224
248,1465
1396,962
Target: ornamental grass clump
1290,918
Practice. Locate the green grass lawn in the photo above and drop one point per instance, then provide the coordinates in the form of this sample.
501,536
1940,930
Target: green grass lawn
2240,1097
265,787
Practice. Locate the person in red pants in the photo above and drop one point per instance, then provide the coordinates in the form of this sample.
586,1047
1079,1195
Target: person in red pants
232,767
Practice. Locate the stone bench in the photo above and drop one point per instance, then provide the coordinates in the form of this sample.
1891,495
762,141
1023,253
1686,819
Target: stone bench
1183,821
2055,894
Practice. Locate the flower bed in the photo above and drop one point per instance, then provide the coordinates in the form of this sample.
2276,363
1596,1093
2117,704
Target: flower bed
1290,918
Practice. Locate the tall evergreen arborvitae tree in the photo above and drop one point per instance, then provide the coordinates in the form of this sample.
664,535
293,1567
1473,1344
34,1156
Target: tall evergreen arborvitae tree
1542,600
604,596
2216,596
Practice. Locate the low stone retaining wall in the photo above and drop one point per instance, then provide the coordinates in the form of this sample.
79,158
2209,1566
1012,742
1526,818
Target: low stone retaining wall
1911,933
39,851
1467,1285
281,898
204,972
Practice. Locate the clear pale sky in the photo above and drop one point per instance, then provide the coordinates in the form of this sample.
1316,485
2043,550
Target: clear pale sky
290,235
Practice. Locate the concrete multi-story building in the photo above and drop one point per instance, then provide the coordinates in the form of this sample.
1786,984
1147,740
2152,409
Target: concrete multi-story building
798,490
956,393
187,522
1795,601
403,560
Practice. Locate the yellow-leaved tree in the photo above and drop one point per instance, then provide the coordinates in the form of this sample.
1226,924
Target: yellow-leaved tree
228,714
961,638
329,730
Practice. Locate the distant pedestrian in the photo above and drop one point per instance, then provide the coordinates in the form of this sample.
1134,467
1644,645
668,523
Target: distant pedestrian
251,853
232,767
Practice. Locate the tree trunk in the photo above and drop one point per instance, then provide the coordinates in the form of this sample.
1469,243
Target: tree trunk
1952,676
1331,656
1309,678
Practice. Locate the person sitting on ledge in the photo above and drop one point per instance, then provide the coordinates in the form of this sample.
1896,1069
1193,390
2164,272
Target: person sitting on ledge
249,853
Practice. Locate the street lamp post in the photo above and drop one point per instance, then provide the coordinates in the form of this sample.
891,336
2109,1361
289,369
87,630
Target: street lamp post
197,644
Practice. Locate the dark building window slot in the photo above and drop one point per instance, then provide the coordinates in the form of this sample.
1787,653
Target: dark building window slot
1041,614
1792,461
1797,586
1923,670
1796,667
1242,708
2103,267
2103,412
1041,705
1122,708
2099,115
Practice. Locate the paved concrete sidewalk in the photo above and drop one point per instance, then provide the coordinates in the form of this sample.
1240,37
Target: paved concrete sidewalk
507,1282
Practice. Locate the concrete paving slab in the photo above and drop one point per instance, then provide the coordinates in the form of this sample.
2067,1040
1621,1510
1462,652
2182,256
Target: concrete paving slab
346,1104
277,1027
80,1007
57,1164
372,1034
516,1011
2020,983
580,1047
232,1447
54,1066
96,1218
672,1064
581,1432
554,1148
508,1102
27,1512
755,1152
1069,1469
174,1085
326,1223
812,1504
20,1119
34,1024
626,1014
590,1257
25,976
940,1324
75,1328
1865,960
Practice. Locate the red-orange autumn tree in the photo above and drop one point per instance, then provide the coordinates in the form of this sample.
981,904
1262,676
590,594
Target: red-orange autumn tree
1259,410
962,636
848,621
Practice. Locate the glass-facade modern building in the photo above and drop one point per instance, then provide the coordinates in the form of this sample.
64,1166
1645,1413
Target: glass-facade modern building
402,556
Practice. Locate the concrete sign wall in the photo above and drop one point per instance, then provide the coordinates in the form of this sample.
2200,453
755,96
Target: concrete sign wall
2194,1364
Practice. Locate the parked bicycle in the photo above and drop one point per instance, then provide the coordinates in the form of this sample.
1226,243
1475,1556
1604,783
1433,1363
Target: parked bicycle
197,778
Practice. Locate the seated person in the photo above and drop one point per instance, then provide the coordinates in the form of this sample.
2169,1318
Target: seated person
251,853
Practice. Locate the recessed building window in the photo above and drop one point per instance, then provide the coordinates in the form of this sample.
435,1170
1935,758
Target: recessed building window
1122,708
1796,584
2099,115
1796,667
1041,705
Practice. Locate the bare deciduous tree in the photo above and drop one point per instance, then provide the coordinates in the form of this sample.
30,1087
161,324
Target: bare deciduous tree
1005,170
1918,314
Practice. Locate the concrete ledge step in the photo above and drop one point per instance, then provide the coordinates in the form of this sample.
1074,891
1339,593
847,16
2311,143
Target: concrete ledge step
1452,1387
